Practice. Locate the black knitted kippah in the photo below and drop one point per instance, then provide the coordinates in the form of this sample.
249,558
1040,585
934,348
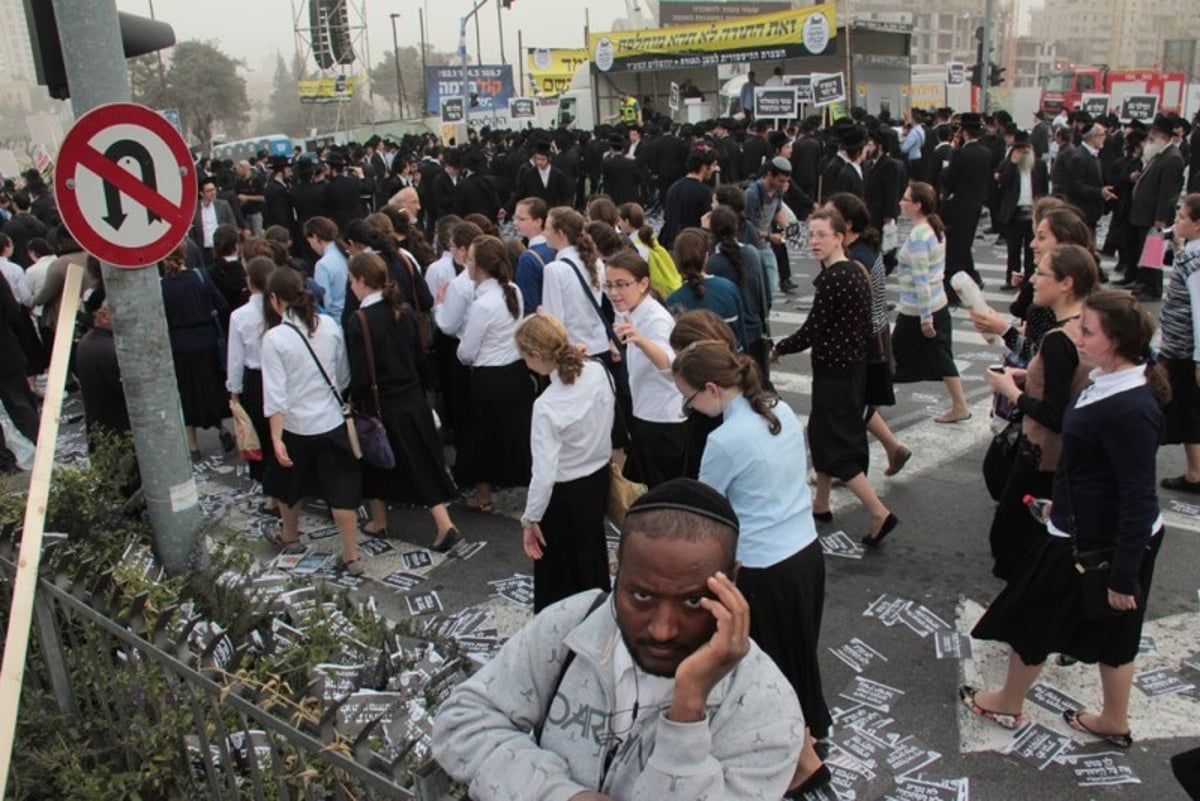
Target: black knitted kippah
688,495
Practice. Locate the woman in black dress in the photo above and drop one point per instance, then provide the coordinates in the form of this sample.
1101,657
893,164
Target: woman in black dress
837,329
1104,510
419,477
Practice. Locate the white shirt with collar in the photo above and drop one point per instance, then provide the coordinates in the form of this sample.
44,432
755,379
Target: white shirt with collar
440,273
1025,193
35,279
208,221
451,313
487,338
545,176
857,167
563,297
15,276
247,326
292,383
570,434
655,397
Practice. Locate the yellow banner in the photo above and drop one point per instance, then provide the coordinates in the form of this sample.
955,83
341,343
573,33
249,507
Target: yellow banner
549,70
799,32
327,90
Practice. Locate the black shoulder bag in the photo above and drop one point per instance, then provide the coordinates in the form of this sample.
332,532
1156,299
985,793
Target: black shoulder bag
607,318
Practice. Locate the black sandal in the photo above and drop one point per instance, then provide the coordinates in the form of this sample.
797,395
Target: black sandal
1071,716
284,546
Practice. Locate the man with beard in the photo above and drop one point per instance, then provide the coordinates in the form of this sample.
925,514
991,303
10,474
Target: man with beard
1155,196
655,691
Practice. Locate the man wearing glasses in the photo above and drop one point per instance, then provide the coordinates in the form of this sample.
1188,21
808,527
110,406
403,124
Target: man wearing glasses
655,691
211,212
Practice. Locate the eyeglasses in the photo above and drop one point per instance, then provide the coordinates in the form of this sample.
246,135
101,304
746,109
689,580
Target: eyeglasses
687,402
620,286
1045,274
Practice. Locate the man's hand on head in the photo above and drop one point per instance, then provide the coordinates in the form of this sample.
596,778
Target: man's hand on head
697,675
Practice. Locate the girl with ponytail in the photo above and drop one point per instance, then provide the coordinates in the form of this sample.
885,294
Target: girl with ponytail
563,523
701,290
494,448
754,457
1104,510
741,264
563,295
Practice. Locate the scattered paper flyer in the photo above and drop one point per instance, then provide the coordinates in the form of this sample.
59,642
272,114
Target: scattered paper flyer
375,546
839,544
423,603
403,580
1161,681
1038,745
311,563
465,550
1102,769
415,560
949,644
1180,507
909,756
1052,699
887,608
857,654
871,693
922,620
1147,646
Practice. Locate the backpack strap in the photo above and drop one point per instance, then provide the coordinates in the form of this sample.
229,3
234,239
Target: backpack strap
583,284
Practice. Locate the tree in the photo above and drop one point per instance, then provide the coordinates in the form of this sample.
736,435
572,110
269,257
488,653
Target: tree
147,80
284,108
204,84
383,78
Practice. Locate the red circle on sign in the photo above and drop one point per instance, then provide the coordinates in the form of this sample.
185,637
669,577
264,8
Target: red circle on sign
86,224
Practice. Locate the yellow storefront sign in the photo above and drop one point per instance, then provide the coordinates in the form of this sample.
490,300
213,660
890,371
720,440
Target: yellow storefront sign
328,90
549,70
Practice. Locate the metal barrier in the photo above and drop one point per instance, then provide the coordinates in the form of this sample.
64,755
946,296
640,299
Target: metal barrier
229,740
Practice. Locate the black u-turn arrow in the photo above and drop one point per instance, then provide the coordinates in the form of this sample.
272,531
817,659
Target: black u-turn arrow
127,148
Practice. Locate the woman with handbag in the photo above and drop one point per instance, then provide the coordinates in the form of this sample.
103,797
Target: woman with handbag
501,393
563,524
756,458
387,381
1062,281
837,330
247,325
659,430
863,246
1083,591
304,365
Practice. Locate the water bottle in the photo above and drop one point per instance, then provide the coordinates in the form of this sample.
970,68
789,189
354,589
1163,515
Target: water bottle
1038,507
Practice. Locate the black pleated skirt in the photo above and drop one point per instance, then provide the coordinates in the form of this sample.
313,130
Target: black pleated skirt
837,431
499,409
419,477
658,453
1015,534
787,601
1040,613
918,357
880,372
252,402
576,554
1183,412
323,467
201,388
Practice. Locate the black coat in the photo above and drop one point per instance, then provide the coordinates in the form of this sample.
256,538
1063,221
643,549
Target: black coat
346,199
400,366
936,165
884,186
309,200
277,207
840,176
754,152
1157,191
806,164
558,191
444,195
1058,170
671,153
1194,173
1085,184
476,194
1010,188
622,179
19,344
965,182
100,380
21,228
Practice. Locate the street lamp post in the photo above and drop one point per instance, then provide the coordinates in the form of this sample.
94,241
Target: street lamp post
399,76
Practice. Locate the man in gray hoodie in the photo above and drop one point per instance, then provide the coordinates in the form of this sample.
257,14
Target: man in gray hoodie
654,692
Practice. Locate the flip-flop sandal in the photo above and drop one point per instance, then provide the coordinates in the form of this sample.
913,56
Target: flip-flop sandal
354,567
1005,720
1071,716
284,546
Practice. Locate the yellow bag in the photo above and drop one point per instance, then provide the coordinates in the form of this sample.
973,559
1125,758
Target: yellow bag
247,437
621,494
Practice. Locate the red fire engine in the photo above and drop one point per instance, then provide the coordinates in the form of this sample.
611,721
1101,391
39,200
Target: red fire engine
1065,87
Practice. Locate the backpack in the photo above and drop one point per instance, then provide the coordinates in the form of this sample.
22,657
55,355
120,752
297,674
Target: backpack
664,277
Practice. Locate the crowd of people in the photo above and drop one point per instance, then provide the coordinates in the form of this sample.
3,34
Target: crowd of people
586,349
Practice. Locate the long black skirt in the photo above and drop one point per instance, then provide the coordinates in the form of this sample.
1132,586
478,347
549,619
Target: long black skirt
576,554
1183,412
500,407
201,388
1015,534
659,452
787,601
419,477
837,432
252,402
323,467
918,357
1041,612
880,371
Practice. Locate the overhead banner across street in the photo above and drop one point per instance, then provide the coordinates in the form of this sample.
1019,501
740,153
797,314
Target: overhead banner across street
809,31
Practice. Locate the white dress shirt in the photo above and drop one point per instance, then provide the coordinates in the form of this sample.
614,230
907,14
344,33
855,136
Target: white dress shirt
487,338
569,436
451,314
292,383
246,329
208,221
655,396
15,276
563,297
440,273
35,279
1025,193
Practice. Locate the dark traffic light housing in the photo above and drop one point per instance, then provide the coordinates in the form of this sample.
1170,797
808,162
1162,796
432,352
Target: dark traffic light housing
995,75
139,35
976,79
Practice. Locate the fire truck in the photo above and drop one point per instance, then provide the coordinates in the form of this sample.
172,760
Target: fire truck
1065,87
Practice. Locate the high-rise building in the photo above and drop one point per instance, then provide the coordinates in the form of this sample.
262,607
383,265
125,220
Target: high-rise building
1124,34
16,54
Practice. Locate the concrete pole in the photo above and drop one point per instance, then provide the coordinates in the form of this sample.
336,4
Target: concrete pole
989,12
95,61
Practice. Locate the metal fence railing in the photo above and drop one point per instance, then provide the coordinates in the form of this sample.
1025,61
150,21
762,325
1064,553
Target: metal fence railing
229,740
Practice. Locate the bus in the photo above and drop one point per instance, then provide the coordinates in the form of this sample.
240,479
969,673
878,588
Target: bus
243,149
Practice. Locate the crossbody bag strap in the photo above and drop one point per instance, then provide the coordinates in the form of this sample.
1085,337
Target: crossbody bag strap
541,262
412,280
369,347
578,271
303,338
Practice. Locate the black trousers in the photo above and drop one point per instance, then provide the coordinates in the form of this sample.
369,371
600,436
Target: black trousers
576,554
1018,237
20,404
959,258
782,261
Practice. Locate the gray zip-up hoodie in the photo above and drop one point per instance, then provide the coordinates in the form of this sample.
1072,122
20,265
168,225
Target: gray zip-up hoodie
746,748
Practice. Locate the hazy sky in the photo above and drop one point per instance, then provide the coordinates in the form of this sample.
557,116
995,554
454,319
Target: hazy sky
251,29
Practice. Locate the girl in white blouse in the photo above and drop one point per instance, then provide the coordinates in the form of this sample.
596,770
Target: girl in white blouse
495,450
302,354
563,524
644,326
243,368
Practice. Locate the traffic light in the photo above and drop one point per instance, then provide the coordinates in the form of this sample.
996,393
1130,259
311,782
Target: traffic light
507,3
995,75
976,79
139,36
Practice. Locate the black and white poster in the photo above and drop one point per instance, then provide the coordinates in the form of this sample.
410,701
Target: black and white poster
522,108
452,109
828,89
775,102
1095,104
1139,107
956,73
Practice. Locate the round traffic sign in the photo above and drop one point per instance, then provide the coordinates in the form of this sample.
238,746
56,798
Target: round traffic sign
125,184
